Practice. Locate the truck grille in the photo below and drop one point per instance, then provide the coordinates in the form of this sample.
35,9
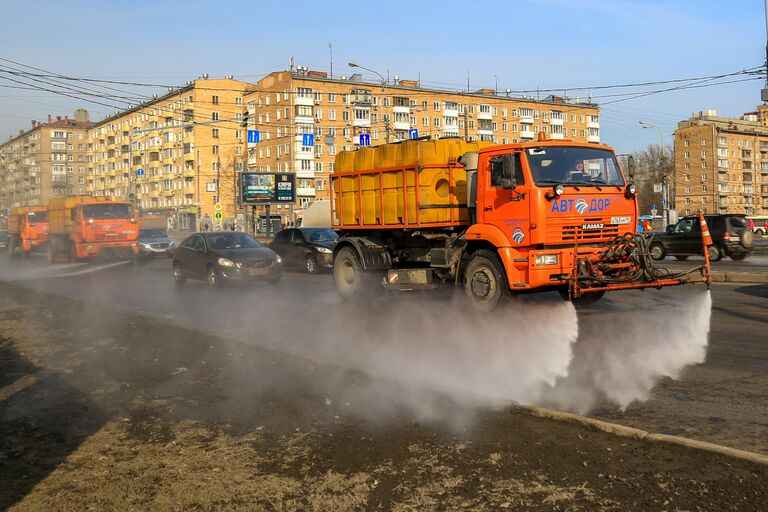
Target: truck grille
572,230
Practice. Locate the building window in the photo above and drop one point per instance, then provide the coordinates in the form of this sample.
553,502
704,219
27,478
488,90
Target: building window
215,116
215,133
215,100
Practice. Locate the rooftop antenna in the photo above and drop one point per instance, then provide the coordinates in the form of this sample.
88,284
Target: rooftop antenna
330,50
468,75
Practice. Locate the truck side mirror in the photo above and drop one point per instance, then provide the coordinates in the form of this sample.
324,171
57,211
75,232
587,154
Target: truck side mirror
508,172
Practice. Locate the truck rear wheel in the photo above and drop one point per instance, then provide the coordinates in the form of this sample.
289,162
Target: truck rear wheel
73,257
485,282
352,282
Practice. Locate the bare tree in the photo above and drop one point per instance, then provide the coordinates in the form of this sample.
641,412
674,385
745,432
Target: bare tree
651,168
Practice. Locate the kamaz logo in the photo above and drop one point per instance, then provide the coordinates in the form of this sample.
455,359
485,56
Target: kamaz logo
580,204
518,235
598,225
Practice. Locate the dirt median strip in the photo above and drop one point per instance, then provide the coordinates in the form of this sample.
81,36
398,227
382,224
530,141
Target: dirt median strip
636,433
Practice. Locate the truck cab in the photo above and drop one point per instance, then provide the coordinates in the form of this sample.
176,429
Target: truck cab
28,229
542,205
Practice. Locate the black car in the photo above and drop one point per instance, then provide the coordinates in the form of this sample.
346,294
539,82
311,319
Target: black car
308,248
154,242
225,256
730,235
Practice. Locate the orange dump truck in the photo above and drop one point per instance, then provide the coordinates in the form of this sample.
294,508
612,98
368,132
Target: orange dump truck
497,220
27,229
82,227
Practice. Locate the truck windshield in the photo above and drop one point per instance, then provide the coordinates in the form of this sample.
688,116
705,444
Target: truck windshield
574,166
35,217
107,211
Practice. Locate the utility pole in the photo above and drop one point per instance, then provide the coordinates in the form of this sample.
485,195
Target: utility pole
764,92
199,201
664,174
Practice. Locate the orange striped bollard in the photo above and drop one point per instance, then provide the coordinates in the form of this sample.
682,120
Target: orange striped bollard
706,241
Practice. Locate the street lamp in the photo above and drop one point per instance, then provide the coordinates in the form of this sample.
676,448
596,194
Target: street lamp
664,187
383,83
355,65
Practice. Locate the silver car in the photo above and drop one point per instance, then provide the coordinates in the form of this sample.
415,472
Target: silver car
154,242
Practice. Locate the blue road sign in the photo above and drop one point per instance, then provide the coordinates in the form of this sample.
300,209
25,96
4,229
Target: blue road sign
365,139
254,136
139,172
413,133
218,216
308,139
653,207
663,202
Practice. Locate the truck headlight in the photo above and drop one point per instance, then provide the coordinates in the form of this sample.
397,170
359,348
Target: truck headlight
323,250
546,259
224,262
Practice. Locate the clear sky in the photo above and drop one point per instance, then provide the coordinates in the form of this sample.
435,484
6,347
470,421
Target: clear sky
522,44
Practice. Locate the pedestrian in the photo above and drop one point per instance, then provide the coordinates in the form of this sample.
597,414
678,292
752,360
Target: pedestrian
766,226
233,227
752,225
205,227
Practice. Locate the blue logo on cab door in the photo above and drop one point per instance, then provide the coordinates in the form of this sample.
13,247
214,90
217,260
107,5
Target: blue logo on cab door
581,205
518,235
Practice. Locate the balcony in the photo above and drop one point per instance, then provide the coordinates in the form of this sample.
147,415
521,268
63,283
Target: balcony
189,190
305,174
722,170
557,121
400,125
305,101
593,124
401,109
723,190
526,134
485,115
168,193
450,112
526,119
593,138
305,191
556,136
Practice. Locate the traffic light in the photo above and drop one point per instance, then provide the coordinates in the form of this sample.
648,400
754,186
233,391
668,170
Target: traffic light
244,122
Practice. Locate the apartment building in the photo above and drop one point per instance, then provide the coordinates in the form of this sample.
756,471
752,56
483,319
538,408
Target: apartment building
721,164
178,154
48,160
342,112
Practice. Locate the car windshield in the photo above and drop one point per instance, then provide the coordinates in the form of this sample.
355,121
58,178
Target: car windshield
35,217
107,211
574,166
152,233
231,241
321,235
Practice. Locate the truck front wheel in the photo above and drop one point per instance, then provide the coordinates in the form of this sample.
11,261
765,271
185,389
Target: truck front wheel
352,282
485,282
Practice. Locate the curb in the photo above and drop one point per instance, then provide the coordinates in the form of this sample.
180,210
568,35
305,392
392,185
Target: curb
636,433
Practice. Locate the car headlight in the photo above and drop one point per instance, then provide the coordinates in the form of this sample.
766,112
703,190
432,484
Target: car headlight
323,250
546,259
279,259
224,262
143,245
171,244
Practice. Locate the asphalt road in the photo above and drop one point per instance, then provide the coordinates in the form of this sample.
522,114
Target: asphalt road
645,359
143,396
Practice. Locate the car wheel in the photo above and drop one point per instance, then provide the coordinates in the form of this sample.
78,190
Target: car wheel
212,277
738,256
681,258
715,254
178,276
485,282
657,251
310,264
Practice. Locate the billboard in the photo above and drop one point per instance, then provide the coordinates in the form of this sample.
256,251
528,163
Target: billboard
267,187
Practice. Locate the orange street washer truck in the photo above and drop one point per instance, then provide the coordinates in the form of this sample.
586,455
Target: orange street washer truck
85,226
496,220
27,229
